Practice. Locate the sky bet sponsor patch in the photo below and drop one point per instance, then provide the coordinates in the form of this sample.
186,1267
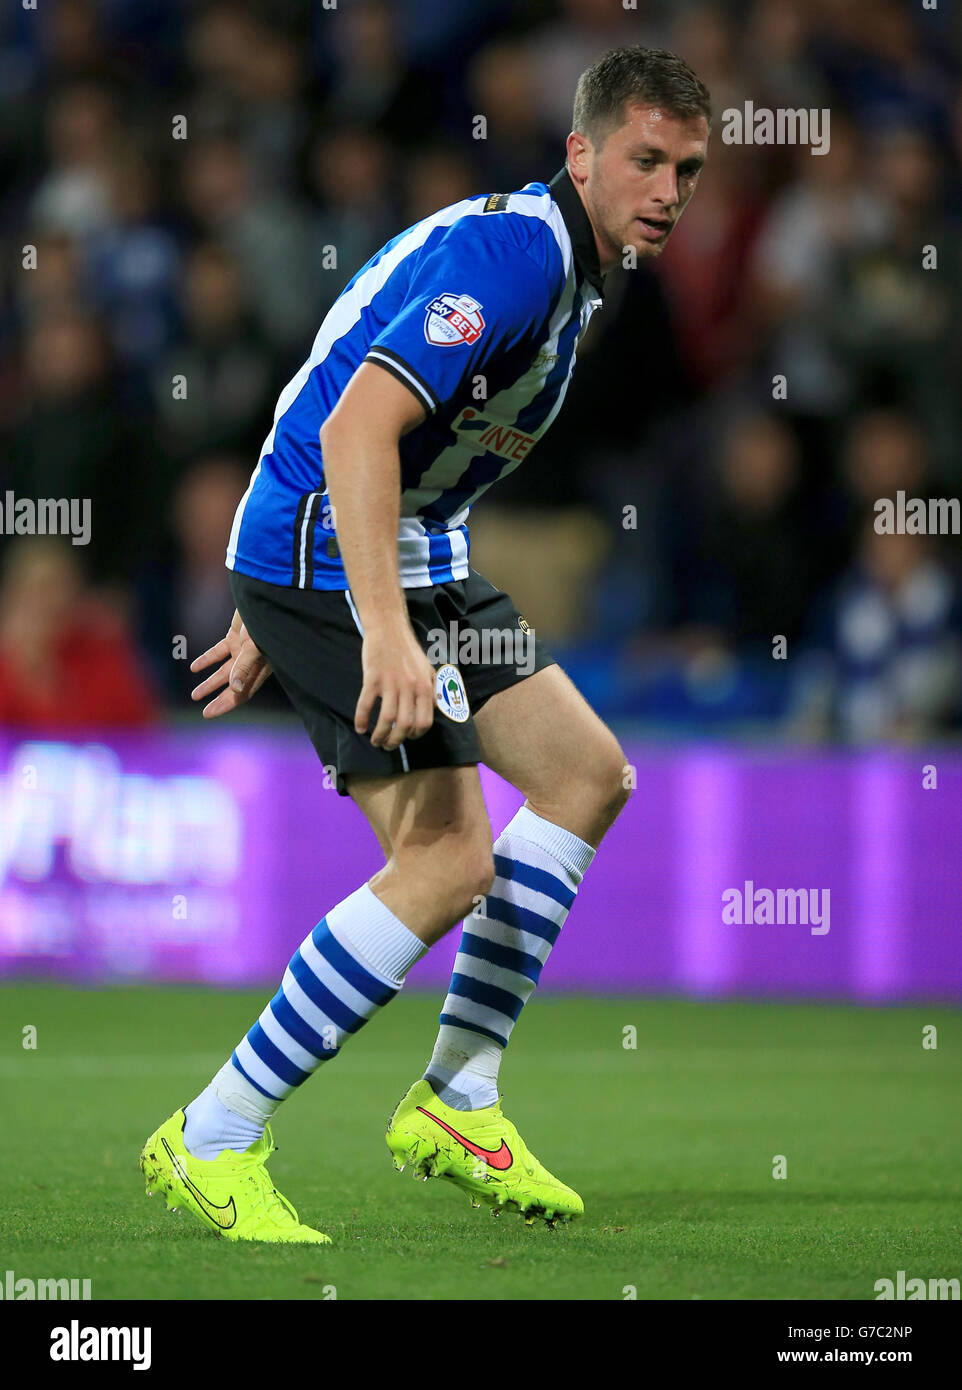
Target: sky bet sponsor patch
452,319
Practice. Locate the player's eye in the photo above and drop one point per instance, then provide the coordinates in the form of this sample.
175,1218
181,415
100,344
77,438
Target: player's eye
646,161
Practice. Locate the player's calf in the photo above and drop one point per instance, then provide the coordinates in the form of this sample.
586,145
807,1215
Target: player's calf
432,892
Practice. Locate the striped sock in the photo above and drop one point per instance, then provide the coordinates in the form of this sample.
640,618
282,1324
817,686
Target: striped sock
351,965
538,867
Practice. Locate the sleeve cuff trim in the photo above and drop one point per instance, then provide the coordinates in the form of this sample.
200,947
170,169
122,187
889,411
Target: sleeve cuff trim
405,373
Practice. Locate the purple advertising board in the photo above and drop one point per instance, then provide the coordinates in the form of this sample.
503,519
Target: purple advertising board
208,856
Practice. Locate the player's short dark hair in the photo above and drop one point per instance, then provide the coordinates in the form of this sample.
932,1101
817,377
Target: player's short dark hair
636,74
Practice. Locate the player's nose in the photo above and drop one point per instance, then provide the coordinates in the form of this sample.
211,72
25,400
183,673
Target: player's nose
665,191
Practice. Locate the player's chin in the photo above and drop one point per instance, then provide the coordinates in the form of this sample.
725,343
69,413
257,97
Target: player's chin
647,250
651,250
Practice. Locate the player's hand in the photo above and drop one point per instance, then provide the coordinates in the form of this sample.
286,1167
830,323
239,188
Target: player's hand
243,671
397,672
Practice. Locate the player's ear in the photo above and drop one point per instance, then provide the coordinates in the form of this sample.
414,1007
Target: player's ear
578,149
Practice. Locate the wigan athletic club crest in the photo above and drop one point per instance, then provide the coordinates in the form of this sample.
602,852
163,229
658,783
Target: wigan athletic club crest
453,319
450,695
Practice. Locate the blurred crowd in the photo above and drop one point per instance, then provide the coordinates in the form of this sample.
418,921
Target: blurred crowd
201,178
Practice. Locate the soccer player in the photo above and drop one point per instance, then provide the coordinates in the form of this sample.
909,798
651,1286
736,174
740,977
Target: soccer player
434,373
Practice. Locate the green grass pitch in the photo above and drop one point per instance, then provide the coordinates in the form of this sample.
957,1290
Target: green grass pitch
671,1145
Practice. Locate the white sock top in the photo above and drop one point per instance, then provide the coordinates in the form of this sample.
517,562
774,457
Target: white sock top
369,930
573,854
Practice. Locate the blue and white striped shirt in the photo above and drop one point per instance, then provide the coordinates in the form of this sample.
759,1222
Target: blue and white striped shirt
478,309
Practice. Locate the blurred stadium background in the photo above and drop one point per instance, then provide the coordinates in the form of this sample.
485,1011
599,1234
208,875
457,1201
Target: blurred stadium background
138,843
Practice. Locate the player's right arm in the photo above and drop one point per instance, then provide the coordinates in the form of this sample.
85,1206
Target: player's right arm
362,471
243,670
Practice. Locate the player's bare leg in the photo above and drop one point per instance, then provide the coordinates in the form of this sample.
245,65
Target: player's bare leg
434,831
543,737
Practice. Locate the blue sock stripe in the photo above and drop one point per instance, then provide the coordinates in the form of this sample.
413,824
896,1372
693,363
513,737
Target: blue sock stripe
538,879
505,956
298,1028
272,1057
349,968
453,1021
522,918
511,938
490,996
256,1084
319,994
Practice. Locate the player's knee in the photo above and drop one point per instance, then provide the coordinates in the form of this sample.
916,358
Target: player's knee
606,773
617,783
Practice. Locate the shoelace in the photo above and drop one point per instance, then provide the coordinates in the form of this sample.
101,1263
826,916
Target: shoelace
275,1206
270,1202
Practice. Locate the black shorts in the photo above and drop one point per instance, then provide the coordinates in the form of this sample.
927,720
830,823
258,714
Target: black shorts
471,632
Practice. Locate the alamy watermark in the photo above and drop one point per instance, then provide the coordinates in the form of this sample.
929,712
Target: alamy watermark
914,1289
24,1289
760,125
916,516
46,516
485,646
777,907
76,1343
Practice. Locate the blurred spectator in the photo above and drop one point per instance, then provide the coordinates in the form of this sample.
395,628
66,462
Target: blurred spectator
778,41
68,439
249,75
875,62
350,171
375,84
441,34
743,559
888,661
705,267
707,39
82,127
885,452
438,175
897,320
134,262
567,44
230,381
828,211
517,147
65,662
268,232
57,283
72,38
